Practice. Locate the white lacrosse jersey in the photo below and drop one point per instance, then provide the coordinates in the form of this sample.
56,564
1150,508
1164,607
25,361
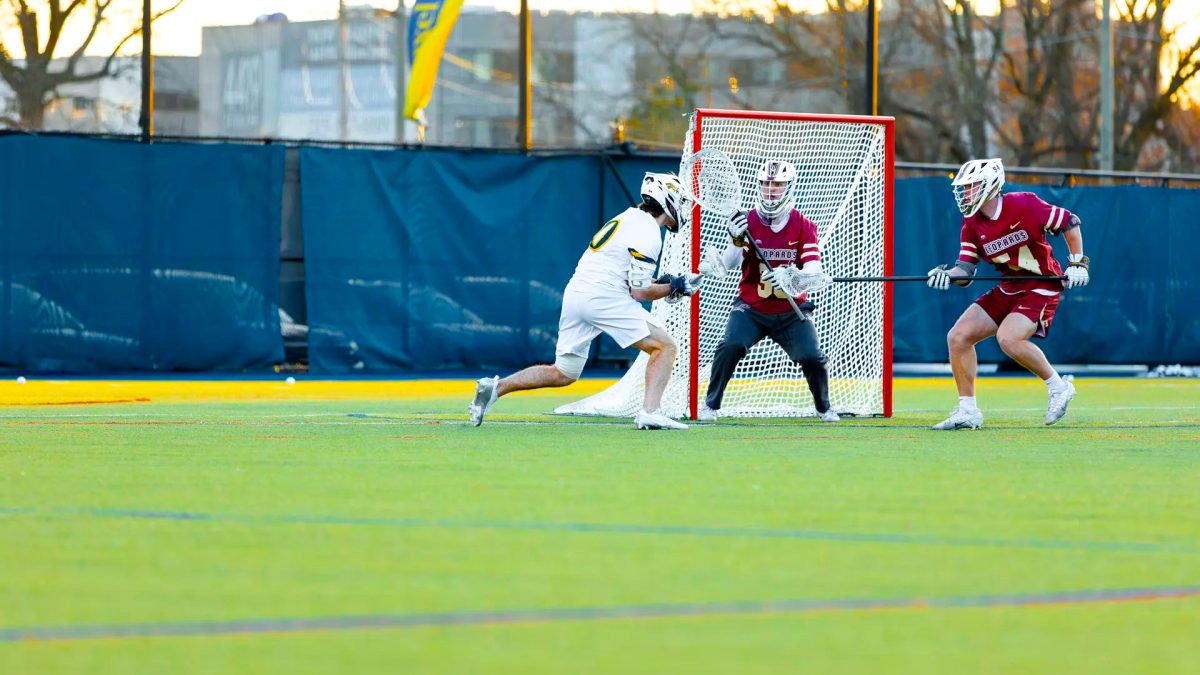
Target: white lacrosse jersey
604,267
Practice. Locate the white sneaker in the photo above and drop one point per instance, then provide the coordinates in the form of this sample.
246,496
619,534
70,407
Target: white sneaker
706,414
655,420
830,416
1058,403
485,396
961,419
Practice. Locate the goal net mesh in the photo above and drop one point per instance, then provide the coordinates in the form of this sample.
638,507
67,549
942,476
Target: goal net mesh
841,186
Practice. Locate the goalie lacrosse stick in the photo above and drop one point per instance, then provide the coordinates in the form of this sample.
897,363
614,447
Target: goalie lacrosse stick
711,180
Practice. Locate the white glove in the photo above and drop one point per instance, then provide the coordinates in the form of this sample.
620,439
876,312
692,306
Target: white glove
794,281
712,264
1077,273
771,277
939,278
787,279
738,223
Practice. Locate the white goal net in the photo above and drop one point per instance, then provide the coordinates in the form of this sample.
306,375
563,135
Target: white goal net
844,184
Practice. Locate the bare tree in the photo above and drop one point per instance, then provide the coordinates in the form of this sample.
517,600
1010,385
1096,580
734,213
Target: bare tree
35,79
1040,109
818,49
1144,101
676,75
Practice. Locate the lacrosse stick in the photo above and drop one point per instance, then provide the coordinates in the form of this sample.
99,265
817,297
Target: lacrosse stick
926,278
711,180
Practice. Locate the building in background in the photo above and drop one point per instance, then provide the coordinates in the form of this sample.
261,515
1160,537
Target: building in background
278,79
111,105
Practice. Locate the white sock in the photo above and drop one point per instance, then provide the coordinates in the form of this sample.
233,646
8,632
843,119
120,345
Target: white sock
1055,383
967,403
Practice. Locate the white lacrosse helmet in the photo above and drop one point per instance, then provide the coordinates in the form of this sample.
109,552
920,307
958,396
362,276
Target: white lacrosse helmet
775,199
976,182
663,192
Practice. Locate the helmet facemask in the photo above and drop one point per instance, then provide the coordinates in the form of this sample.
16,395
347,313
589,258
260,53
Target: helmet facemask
774,197
976,183
775,179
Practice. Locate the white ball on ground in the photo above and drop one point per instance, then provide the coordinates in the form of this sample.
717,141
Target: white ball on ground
291,380
21,379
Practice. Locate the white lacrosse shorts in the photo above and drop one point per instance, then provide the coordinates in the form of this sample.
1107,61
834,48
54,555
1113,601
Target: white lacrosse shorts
586,315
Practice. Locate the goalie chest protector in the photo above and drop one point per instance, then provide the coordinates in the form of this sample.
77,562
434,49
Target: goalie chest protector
785,247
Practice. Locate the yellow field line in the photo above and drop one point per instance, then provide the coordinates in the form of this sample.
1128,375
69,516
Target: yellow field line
38,392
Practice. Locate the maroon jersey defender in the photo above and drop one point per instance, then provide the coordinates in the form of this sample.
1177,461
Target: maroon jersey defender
1015,241
795,244
1008,231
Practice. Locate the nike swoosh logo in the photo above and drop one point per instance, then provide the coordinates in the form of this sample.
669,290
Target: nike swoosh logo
793,243
1022,307
1014,225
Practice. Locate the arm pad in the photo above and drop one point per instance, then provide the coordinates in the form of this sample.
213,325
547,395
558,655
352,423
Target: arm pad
967,267
641,272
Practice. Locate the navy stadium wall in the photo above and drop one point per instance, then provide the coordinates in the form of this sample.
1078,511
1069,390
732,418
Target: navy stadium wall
119,256
123,256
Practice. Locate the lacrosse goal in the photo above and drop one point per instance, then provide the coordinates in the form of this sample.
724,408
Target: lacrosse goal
844,185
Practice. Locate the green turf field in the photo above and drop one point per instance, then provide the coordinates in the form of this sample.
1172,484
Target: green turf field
352,536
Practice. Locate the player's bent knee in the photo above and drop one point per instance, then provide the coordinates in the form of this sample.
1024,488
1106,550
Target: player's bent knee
1008,342
814,362
570,365
958,339
663,345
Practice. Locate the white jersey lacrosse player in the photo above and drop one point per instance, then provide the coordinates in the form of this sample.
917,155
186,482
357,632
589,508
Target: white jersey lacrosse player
614,275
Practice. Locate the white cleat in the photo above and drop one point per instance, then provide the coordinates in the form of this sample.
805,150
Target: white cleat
485,396
706,414
961,419
1058,403
655,420
830,416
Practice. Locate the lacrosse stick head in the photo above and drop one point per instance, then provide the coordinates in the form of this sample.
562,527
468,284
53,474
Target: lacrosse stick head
711,180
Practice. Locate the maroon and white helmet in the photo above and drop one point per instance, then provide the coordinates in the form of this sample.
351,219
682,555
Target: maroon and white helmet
976,182
775,178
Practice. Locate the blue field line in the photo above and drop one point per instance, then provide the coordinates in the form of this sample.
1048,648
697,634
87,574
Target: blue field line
616,528
563,614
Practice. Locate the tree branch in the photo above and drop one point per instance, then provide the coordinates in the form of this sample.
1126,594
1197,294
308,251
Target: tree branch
69,75
58,18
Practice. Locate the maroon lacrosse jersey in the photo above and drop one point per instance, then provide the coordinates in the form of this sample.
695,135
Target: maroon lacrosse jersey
1015,242
795,244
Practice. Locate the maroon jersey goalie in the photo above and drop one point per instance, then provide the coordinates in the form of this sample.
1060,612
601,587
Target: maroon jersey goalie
789,266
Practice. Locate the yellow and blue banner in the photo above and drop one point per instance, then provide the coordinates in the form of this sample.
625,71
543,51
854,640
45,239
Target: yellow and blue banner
428,30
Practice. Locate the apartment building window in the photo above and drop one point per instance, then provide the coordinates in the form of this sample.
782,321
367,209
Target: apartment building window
173,101
554,67
483,63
